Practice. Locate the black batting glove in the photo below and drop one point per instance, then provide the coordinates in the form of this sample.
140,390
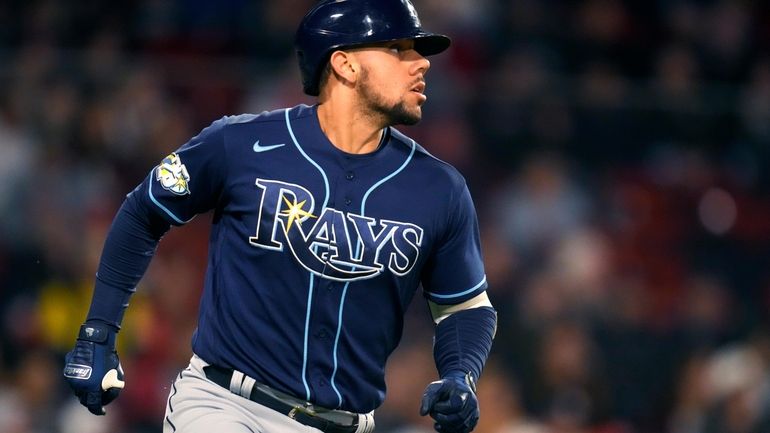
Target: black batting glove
452,403
93,369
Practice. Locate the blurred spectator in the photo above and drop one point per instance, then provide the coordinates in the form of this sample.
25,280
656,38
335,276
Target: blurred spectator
727,391
503,410
18,154
755,106
570,393
541,205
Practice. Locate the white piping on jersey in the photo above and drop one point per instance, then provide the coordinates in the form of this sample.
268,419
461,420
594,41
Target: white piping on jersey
336,341
157,203
385,179
455,295
310,288
315,164
358,248
304,344
441,312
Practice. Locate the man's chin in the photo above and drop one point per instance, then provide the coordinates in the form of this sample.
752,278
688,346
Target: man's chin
410,121
400,116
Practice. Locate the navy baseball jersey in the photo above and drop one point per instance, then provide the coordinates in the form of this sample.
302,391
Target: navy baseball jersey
315,253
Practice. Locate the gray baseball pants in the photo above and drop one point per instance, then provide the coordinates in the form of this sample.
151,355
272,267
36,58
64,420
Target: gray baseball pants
197,405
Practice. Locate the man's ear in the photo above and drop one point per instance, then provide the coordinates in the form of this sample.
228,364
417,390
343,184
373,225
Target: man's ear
344,66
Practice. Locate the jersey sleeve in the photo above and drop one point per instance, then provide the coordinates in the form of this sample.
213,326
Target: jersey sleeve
455,272
190,180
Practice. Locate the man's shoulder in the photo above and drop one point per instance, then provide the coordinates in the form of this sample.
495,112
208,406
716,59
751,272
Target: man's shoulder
426,161
247,124
277,115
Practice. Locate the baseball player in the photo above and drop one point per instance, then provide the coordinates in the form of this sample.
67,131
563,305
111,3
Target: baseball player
326,221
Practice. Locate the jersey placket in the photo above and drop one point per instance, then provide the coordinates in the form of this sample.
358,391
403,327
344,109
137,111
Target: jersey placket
321,341
327,309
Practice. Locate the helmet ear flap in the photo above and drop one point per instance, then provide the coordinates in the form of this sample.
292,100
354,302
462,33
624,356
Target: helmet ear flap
334,24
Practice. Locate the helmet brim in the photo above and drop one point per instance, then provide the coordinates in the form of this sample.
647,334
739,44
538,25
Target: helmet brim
428,44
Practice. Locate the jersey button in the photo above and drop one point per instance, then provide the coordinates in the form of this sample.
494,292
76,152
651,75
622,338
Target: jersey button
321,334
350,175
348,201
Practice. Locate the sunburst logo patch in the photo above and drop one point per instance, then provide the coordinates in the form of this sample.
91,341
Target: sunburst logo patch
173,175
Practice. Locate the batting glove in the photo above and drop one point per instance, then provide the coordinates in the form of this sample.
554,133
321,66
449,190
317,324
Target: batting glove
93,369
452,403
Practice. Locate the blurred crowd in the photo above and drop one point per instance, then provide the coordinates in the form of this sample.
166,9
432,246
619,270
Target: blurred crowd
617,151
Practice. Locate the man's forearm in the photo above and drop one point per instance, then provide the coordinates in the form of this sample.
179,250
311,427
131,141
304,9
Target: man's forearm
128,250
463,341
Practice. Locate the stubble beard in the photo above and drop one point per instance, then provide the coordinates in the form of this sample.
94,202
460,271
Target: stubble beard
390,113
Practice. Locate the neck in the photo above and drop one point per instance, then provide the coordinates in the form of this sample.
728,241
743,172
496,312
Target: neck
347,127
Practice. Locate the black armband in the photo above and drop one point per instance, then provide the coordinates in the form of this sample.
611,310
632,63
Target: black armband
463,341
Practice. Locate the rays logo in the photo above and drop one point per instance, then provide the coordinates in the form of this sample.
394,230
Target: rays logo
334,245
173,175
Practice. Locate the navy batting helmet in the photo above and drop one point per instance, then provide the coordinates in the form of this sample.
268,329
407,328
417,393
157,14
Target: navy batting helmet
334,24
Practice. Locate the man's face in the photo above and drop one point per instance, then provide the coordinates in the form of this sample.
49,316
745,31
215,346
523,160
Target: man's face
391,83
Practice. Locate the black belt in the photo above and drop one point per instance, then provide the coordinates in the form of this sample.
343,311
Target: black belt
222,377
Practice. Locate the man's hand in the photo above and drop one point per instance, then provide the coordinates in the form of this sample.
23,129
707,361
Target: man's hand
93,369
452,403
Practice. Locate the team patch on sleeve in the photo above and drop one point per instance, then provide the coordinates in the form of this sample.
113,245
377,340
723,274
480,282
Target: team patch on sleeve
173,175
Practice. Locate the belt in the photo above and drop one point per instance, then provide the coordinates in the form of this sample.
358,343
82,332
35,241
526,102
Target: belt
238,383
